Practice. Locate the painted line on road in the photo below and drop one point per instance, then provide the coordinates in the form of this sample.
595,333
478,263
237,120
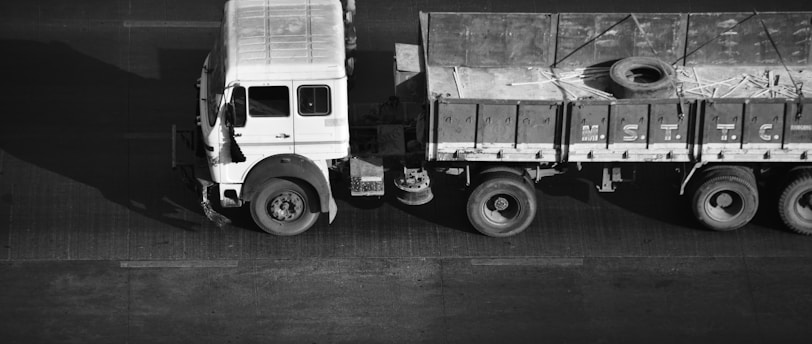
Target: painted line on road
527,262
146,264
172,24
146,136
98,135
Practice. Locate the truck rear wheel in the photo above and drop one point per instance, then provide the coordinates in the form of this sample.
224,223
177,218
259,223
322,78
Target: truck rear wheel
725,199
503,204
282,207
795,203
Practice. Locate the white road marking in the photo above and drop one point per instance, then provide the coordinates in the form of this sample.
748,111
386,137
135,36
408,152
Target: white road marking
141,264
175,24
528,262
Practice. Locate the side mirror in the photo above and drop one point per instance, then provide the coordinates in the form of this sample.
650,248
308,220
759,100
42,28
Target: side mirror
229,115
236,108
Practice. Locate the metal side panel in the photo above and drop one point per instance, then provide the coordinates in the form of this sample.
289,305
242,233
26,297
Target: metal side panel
537,129
617,35
669,131
722,129
754,130
431,145
765,122
739,38
489,39
588,130
635,131
629,127
497,130
630,135
456,125
798,131
496,126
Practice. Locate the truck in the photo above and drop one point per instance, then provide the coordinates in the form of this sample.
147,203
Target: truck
508,99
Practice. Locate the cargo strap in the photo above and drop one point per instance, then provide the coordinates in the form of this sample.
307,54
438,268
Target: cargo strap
555,63
711,40
798,89
677,88
645,36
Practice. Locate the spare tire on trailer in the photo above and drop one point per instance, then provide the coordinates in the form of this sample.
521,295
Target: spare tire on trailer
641,77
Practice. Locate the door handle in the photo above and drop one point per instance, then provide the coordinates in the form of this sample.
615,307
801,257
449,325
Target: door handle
282,136
237,134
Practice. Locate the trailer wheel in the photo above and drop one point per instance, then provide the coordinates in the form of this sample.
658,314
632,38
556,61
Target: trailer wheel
725,201
502,205
795,203
282,207
641,77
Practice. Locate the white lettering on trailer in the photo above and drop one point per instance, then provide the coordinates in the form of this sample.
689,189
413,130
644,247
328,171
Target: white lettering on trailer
725,128
589,133
631,132
801,127
764,135
668,128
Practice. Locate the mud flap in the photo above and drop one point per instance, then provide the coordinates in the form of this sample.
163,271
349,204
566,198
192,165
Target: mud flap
332,208
205,203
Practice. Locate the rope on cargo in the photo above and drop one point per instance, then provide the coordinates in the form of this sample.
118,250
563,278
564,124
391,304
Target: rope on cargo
798,89
645,36
677,87
712,39
555,63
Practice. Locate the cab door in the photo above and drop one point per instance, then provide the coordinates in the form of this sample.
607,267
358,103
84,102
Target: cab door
320,119
261,125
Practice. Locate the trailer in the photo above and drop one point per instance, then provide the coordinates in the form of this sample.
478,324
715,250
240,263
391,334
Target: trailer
511,98
717,98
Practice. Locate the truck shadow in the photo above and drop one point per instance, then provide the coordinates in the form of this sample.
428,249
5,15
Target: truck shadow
101,126
446,209
653,195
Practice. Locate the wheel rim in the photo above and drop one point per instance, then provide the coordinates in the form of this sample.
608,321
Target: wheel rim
286,207
724,205
803,206
501,209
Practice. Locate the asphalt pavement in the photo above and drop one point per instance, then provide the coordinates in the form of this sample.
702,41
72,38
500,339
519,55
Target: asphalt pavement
100,242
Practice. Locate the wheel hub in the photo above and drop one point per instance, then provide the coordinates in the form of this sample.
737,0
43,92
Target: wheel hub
806,200
804,206
725,206
501,204
501,209
724,200
287,206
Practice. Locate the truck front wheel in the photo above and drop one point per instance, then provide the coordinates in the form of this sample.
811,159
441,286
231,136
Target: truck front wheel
502,205
795,203
724,202
282,207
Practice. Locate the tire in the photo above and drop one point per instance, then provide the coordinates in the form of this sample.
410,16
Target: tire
502,205
795,203
283,207
640,78
725,201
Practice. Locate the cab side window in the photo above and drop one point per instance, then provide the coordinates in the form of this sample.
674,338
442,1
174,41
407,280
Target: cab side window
269,101
238,97
314,100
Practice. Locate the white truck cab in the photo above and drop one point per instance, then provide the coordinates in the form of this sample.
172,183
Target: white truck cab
273,109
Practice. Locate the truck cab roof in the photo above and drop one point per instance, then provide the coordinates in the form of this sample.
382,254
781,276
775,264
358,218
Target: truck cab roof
284,40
